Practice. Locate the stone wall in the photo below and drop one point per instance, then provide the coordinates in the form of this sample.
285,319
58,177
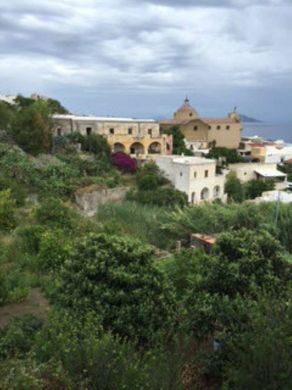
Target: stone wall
89,198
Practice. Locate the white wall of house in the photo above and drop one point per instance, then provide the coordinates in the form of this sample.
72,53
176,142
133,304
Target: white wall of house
196,176
276,155
249,171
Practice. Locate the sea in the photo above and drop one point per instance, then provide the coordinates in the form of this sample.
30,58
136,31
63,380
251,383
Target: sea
269,131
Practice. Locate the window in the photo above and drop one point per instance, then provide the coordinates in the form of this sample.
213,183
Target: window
227,127
130,130
88,130
59,131
195,174
112,130
191,114
218,127
206,173
181,174
209,127
150,131
195,128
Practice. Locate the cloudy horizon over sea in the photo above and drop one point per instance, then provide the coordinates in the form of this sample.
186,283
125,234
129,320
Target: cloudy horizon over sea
268,130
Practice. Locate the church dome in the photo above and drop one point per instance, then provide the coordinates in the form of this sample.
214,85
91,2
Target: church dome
186,111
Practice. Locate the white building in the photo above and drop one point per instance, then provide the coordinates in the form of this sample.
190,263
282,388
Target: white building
8,99
260,171
196,176
278,153
275,196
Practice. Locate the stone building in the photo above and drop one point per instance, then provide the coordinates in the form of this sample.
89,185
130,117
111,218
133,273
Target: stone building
196,176
260,171
133,136
202,133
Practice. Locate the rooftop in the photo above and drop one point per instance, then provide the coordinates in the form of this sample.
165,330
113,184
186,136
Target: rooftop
187,160
100,118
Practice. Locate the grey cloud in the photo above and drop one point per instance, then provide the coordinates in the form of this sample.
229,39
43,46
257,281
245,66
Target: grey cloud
125,46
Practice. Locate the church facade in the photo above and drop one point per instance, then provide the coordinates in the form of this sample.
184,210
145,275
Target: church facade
203,133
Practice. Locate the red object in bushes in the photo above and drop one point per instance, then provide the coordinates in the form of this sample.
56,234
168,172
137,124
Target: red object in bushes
124,162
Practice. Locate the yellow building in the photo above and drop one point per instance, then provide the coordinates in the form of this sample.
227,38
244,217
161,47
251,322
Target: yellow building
201,133
133,136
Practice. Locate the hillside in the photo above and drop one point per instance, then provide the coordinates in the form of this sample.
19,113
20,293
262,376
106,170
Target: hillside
108,301
247,119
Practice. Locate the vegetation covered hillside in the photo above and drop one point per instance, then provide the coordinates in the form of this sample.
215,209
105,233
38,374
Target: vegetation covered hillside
108,303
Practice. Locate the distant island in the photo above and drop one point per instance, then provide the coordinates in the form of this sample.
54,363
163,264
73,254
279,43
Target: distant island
245,118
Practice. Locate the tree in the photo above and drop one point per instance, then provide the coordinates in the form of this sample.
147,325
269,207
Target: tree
229,155
179,146
255,188
31,128
263,349
234,188
115,277
6,115
97,144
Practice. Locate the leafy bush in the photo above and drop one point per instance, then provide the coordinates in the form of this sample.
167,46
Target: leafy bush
229,155
18,336
30,238
115,277
97,145
234,188
7,210
18,192
140,221
54,213
31,128
163,197
53,250
255,188
124,162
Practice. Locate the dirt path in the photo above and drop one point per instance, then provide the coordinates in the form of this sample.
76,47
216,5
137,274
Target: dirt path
35,304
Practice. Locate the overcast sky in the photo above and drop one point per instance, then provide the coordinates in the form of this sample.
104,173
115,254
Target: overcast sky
141,57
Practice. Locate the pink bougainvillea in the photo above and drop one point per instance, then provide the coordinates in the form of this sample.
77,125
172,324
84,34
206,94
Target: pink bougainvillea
124,162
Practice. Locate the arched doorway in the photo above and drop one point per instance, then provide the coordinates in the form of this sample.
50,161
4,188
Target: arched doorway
154,148
205,193
193,200
118,147
216,192
137,148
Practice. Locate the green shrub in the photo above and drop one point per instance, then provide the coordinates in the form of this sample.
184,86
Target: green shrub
7,210
30,238
18,336
53,250
97,145
54,213
18,192
255,188
103,361
3,288
163,197
137,220
115,277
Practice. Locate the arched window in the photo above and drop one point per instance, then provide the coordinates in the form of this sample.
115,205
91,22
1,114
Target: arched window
193,197
205,193
119,147
154,148
216,192
137,148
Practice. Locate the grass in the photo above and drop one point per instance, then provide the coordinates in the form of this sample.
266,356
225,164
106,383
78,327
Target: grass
140,221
